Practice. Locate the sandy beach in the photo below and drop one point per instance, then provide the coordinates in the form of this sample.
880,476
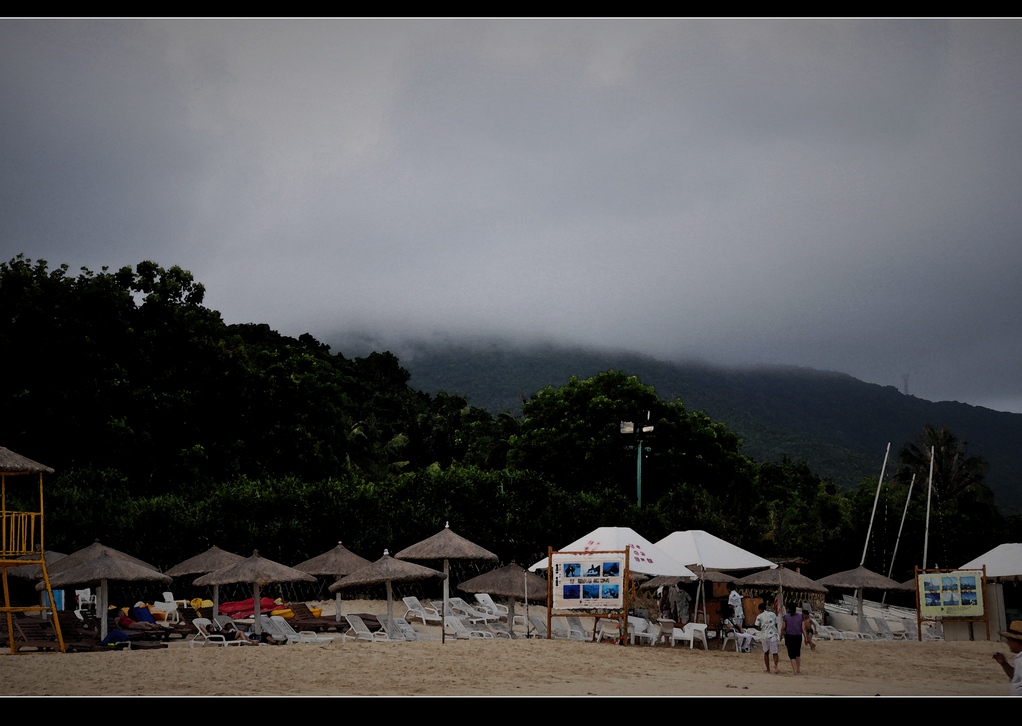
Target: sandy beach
507,668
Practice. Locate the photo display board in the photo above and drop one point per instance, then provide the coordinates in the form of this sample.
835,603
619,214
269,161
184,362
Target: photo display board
588,581
951,594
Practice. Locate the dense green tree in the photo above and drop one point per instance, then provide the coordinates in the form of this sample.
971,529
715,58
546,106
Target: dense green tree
571,435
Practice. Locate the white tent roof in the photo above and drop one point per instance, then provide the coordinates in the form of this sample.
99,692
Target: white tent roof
643,556
1002,561
696,547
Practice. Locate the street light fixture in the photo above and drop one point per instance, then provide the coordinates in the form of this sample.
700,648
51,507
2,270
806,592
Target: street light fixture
628,428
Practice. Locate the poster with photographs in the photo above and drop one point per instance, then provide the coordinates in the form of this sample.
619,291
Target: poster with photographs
951,594
589,581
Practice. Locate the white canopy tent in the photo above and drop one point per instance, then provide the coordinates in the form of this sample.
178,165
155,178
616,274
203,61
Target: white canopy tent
1004,560
643,556
697,547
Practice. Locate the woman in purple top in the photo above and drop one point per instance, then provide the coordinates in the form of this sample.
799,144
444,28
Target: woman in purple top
791,629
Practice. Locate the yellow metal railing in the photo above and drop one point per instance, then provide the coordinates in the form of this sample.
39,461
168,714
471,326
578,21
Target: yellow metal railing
18,533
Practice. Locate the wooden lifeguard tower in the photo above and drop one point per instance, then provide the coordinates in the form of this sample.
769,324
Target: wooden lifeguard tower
21,540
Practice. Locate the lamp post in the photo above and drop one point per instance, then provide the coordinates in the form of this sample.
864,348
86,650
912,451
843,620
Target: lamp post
628,428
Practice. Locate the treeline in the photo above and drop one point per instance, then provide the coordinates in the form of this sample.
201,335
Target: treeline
170,431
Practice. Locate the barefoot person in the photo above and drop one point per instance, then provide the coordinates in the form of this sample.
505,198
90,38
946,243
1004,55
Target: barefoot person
808,629
766,624
791,629
1013,671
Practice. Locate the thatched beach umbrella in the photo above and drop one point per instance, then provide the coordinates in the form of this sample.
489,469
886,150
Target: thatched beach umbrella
339,561
512,582
91,552
103,568
257,570
211,560
34,572
860,579
14,463
387,570
781,578
446,546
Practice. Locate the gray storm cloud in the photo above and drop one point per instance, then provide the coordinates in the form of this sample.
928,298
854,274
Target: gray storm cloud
837,194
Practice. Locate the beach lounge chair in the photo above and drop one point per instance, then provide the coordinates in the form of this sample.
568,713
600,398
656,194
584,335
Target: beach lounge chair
295,636
423,612
474,614
575,626
461,630
410,633
205,635
360,631
487,605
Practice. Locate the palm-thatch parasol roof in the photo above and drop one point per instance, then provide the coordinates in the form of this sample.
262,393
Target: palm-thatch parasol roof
508,582
257,570
339,561
102,568
34,572
781,577
668,580
446,545
12,463
861,578
105,566
209,561
388,570
93,551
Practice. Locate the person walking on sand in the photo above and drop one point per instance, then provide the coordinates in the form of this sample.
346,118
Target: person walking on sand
1014,672
766,624
808,629
791,629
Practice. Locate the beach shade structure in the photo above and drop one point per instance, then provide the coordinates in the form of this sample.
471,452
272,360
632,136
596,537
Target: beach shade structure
103,568
860,579
698,547
1003,563
782,579
338,562
446,545
387,570
93,551
211,560
644,556
258,571
511,582
701,551
35,571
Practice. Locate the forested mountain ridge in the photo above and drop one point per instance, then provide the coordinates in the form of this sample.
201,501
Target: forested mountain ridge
838,424
170,430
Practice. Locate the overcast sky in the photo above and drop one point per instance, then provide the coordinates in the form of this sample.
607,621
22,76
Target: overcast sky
838,194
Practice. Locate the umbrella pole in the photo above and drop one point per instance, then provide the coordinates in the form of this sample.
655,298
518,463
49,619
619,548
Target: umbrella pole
255,613
104,598
390,609
526,605
216,600
447,586
337,606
